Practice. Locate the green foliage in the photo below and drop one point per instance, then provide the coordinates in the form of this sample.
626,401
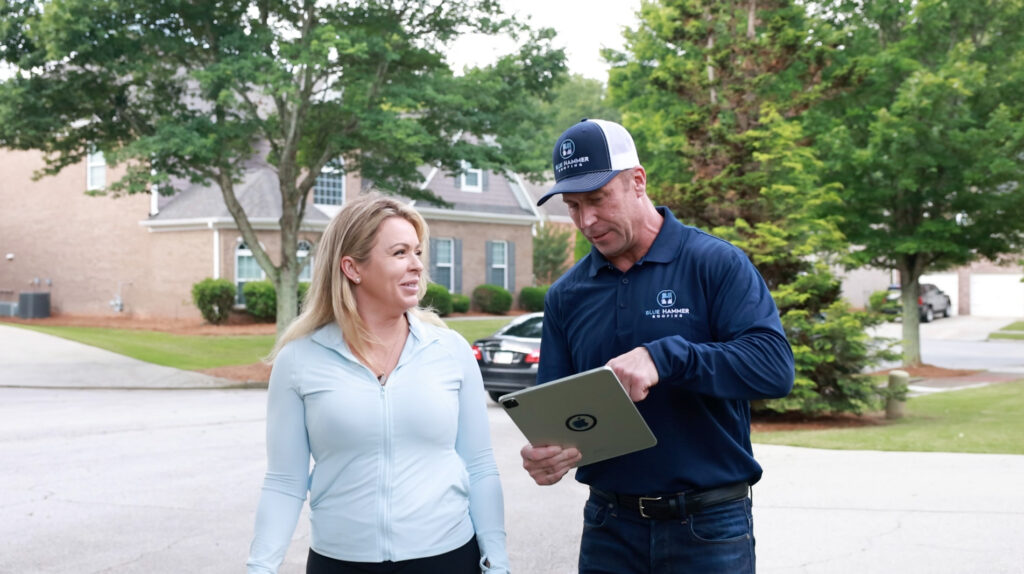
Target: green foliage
714,101
550,252
303,289
214,298
492,299
879,302
927,138
460,303
260,300
532,298
437,298
189,92
582,246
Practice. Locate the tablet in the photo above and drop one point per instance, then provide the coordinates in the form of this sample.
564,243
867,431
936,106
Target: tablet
590,411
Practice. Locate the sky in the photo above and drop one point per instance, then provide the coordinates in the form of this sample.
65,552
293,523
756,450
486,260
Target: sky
583,28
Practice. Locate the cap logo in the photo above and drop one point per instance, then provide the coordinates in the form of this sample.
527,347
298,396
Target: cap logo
567,149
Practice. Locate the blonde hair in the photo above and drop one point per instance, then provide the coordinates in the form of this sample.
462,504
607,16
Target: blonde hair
351,233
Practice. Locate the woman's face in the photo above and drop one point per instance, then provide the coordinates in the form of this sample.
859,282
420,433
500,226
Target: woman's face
390,277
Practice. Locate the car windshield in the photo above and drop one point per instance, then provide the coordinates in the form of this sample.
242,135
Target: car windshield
529,328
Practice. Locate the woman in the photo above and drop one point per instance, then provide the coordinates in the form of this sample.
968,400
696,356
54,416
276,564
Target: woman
390,405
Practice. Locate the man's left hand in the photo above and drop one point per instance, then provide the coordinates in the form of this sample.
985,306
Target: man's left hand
636,371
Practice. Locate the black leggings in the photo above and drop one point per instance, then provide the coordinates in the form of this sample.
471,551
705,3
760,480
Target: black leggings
464,560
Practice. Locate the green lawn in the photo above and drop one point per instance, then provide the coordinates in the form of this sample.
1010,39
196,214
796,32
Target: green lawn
1016,326
179,351
192,352
982,420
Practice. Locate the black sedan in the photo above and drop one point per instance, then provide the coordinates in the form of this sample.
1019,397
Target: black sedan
508,359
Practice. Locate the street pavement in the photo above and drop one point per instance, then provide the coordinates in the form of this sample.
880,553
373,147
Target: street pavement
101,479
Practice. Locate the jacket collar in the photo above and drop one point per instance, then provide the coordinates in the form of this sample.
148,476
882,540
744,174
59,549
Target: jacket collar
664,249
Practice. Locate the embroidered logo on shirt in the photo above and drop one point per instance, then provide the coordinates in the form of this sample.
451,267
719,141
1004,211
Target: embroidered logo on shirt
666,301
667,298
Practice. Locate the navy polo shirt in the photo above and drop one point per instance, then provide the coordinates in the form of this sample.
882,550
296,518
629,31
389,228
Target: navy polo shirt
704,313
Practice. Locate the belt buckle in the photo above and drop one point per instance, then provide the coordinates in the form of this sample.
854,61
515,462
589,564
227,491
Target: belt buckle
643,511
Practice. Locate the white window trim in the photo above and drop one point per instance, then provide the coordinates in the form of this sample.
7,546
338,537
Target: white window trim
467,168
502,266
93,160
450,266
245,252
336,167
305,249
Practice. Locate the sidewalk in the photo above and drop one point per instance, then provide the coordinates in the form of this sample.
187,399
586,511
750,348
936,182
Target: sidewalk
32,359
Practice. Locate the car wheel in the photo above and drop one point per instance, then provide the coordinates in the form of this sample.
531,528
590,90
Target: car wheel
495,395
928,316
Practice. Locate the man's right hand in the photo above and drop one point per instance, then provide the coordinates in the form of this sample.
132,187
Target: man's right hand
548,464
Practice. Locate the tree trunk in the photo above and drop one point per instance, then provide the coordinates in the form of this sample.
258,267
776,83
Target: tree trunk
287,299
911,320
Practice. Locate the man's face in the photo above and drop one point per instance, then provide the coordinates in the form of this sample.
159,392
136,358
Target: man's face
609,216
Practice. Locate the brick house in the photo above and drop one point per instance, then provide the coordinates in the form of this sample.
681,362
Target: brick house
140,255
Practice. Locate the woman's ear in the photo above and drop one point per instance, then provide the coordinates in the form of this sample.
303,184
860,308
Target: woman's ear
350,269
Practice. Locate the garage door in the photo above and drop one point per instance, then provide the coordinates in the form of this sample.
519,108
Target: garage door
997,295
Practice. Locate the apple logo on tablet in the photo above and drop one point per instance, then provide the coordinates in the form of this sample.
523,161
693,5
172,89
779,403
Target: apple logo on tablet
580,422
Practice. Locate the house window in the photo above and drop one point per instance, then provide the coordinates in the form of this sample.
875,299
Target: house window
246,270
444,263
304,250
497,269
329,188
96,174
472,179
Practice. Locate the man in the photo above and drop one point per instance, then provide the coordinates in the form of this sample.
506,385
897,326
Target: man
688,325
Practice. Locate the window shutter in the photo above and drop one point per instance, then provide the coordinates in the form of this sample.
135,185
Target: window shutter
457,283
433,258
484,179
489,261
511,267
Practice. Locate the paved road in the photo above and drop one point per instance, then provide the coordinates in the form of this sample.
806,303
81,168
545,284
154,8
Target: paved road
142,481
960,343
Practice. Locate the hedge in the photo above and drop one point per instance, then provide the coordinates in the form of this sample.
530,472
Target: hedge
437,298
532,298
492,299
214,298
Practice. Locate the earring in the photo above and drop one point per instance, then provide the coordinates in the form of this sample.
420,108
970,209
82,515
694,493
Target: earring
357,280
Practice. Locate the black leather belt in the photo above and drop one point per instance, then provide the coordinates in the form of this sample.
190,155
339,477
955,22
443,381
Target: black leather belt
678,505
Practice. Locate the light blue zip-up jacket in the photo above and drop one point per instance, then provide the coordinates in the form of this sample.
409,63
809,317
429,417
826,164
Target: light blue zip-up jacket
401,471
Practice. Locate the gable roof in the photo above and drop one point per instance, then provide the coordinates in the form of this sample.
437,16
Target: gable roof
502,198
201,206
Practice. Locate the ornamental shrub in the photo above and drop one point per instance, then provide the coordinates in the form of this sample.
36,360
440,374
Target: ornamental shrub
532,298
437,298
460,303
492,299
214,298
260,300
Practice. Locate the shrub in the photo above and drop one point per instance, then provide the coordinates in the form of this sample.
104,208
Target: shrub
460,303
532,298
437,298
260,300
492,299
879,303
214,298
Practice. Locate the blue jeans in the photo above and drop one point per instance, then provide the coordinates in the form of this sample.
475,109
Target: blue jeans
719,539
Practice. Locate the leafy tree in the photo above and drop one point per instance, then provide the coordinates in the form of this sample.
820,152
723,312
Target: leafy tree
714,93
195,90
928,144
550,253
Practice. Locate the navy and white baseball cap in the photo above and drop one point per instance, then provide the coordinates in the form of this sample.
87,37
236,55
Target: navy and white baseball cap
588,155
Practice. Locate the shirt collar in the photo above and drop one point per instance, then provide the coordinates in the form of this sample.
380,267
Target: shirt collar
663,250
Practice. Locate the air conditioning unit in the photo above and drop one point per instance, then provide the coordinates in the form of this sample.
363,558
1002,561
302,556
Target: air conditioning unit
33,305
8,309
